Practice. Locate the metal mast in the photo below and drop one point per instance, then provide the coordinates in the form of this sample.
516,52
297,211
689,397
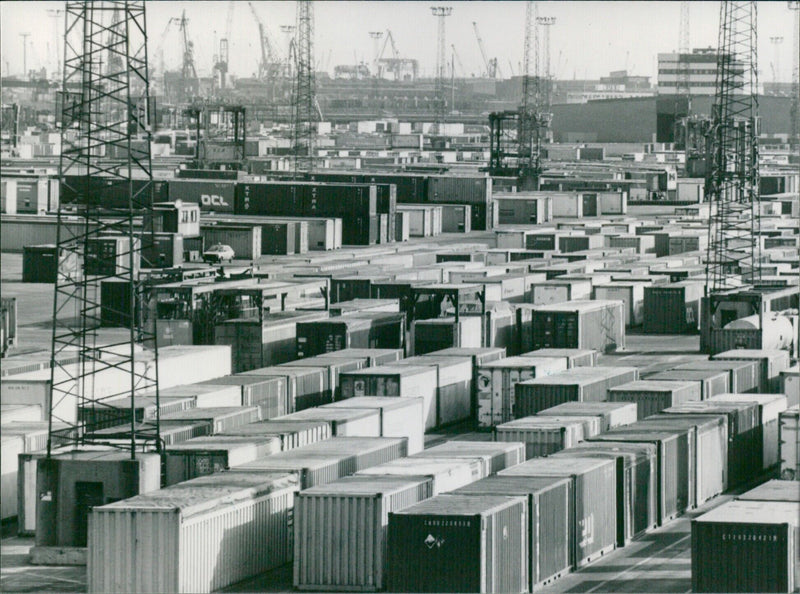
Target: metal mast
304,100
683,50
533,121
732,178
794,5
106,181
547,82
440,101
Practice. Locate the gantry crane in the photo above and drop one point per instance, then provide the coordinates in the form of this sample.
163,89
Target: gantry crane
398,66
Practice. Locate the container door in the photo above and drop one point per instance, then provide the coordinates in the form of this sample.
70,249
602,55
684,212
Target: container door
87,495
589,205
484,392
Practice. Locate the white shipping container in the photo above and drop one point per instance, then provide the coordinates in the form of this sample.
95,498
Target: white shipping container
790,385
448,473
542,436
177,365
567,205
206,395
770,407
789,435
400,417
357,560
198,536
11,413
345,422
11,446
630,293
392,380
496,381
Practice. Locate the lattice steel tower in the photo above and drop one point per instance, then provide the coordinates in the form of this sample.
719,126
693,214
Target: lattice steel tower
534,120
106,185
794,6
304,114
732,178
440,97
683,50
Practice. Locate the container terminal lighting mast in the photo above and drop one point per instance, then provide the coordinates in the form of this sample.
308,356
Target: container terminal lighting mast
732,180
106,60
440,100
304,114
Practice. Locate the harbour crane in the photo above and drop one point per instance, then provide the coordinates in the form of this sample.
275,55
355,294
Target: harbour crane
270,64
491,64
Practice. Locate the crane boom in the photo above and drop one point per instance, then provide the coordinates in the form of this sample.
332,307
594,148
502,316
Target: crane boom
458,60
490,70
270,63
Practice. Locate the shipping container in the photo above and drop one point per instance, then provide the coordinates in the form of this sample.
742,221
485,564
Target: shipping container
388,380
399,417
593,532
542,436
673,308
40,264
630,293
744,435
306,387
496,455
293,434
673,464
456,218
454,386
652,397
744,375
459,543
448,473
746,546
789,436
579,384
358,561
201,456
550,520
269,394
359,330
560,291
712,382
335,367
637,487
496,385
595,325
117,411
610,414
522,209
311,468
373,357
242,520
770,407
12,446
206,395
710,444
773,362
212,196
773,490
574,357
436,334
218,419
361,422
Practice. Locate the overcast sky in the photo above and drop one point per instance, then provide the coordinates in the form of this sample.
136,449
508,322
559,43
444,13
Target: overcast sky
589,39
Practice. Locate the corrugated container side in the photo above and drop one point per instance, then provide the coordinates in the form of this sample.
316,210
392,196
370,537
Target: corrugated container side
341,538
737,555
157,550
